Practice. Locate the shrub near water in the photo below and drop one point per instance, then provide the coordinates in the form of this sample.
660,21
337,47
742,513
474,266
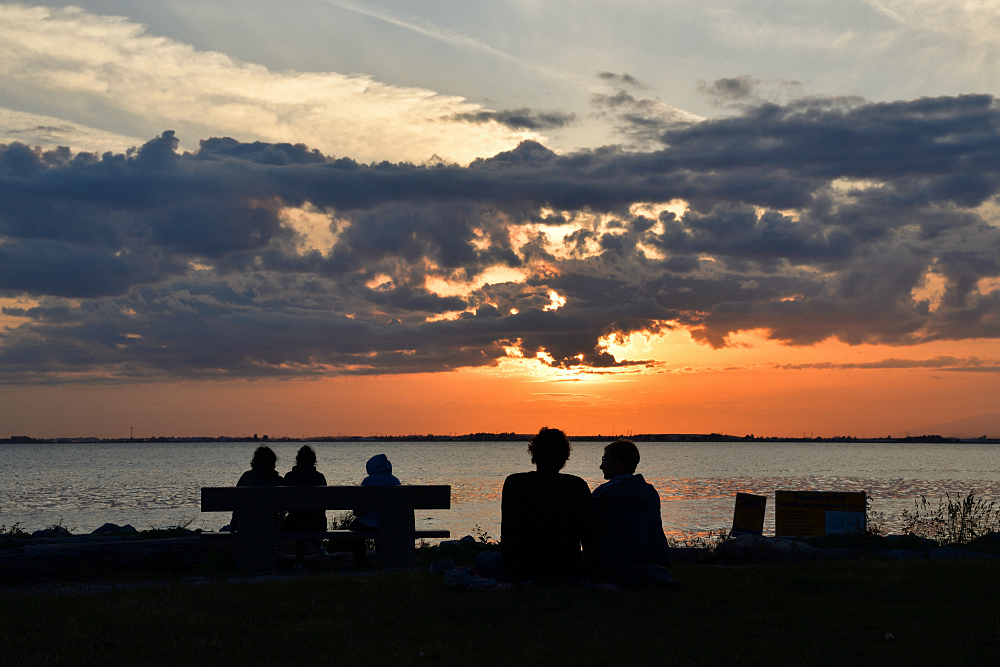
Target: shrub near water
8,535
952,522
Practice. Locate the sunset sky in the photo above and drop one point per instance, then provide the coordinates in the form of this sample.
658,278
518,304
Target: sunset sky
314,217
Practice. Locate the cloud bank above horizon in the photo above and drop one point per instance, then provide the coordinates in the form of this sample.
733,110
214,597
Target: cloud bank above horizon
113,81
817,219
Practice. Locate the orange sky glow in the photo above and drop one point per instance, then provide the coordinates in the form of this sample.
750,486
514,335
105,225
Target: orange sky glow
736,390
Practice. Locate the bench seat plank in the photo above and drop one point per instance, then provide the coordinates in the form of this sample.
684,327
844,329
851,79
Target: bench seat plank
327,535
257,505
230,498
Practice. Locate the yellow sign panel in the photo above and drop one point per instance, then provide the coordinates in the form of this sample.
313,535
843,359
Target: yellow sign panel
748,519
800,513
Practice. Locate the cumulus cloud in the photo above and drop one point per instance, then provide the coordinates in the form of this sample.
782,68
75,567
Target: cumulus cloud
821,218
113,77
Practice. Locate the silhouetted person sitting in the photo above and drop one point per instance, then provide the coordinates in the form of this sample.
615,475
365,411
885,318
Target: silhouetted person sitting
633,548
304,473
547,517
379,471
261,473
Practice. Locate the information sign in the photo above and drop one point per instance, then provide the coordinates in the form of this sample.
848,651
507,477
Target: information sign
800,513
748,518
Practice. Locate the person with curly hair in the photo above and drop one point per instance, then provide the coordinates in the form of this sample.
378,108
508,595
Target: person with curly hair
547,523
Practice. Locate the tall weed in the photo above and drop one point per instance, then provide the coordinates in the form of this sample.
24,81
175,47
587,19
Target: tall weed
955,522
707,542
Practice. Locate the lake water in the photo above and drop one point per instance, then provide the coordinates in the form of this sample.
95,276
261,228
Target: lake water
84,485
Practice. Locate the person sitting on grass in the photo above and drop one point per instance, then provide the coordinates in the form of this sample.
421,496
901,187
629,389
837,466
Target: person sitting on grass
304,473
261,473
379,474
633,549
546,519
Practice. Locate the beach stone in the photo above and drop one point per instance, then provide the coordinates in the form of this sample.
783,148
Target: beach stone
115,529
467,541
899,554
838,553
689,555
895,541
759,549
987,542
54,531
954,553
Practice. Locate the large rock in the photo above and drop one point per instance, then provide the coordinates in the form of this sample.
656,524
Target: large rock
690,555
467,542
908,542
760,549
53,531
115,529
838,553
989,542
899,554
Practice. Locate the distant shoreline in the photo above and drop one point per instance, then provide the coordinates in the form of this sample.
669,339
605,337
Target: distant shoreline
497,437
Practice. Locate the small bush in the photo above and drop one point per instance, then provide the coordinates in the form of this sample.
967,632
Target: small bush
179,529
14,532
952,522
483,537
342,521
9,535
707,542
874,520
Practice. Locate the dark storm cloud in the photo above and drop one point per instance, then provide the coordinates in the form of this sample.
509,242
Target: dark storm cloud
870,223
520,119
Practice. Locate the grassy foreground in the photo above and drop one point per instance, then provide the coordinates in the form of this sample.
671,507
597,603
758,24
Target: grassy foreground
834,613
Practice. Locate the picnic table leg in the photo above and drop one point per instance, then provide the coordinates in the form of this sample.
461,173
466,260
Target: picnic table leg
395,537
255,539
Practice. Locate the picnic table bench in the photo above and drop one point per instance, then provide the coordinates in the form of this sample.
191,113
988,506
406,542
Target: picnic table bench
256,506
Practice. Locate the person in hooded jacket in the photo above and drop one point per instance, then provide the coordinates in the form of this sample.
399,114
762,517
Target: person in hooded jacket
379,474
304,473
633,549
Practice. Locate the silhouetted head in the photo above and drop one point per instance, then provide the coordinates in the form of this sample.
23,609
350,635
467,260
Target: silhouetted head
379,465
620,458
549,449
306,456
263,456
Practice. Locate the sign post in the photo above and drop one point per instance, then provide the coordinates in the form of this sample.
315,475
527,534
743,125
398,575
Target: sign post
801,513
748,517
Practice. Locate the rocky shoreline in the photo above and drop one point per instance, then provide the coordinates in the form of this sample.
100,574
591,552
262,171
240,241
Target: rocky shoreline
756,549
63,559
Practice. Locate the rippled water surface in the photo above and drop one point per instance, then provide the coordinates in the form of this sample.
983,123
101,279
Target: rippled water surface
82,486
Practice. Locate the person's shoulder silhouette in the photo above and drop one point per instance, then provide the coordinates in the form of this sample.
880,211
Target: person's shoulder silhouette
547,516
262,469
